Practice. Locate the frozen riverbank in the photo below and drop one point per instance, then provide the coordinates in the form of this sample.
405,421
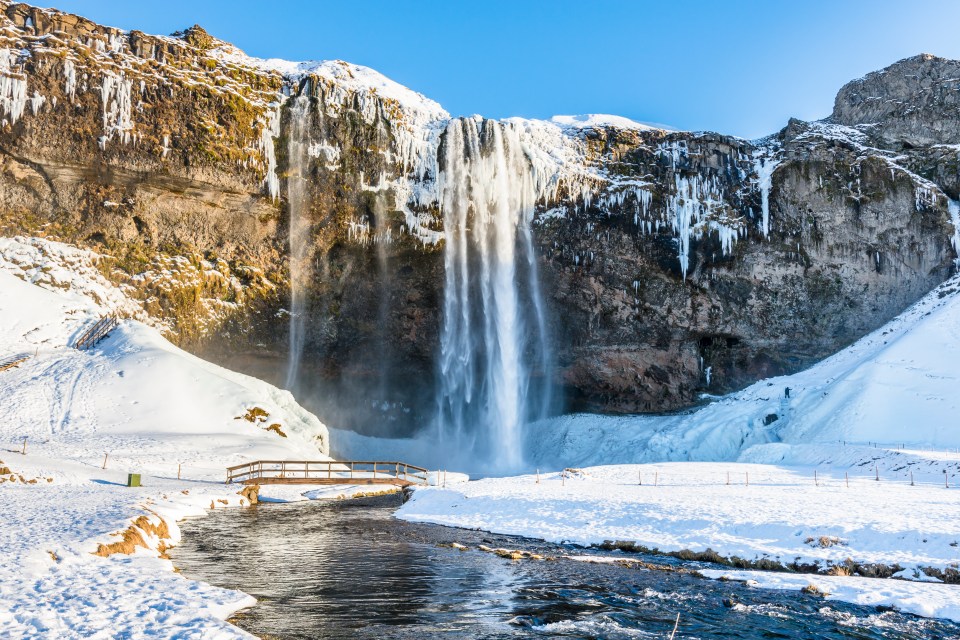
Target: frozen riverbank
784,518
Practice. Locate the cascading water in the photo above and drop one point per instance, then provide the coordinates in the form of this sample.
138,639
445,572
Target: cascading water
494,329
299,228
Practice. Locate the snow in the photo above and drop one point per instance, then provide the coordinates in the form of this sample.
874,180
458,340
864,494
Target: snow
930,601
133,403
601,120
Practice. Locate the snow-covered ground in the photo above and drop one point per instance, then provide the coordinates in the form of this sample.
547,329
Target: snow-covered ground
884,407
136,404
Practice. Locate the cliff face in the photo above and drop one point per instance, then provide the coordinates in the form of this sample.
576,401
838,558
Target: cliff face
672,263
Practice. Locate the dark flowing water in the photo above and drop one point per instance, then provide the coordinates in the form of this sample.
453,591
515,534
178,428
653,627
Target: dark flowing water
347,569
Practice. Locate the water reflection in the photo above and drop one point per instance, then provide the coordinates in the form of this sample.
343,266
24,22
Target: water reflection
348,570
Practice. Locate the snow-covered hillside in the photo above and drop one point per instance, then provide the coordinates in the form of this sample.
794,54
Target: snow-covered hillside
132,404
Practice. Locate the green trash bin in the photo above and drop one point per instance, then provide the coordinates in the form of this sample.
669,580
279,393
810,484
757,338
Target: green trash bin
133,479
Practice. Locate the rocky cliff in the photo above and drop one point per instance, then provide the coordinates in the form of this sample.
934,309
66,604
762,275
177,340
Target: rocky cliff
672,263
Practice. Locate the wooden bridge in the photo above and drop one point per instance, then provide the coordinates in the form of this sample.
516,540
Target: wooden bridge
100,330
327,472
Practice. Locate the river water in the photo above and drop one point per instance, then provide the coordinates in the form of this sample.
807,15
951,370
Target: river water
347,569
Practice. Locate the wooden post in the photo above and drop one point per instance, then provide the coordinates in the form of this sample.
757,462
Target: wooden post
24,451
374,470
876,469
747,477
104,461
728,478
846,479
911,477
816,482
178,471
656,478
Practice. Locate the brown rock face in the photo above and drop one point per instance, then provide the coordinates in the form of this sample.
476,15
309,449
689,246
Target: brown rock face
663,277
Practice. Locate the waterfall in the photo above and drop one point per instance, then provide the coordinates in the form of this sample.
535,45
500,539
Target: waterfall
299,228
493,339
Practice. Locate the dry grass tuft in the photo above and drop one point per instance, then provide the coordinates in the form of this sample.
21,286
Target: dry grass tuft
255,414
825,542
251,493
814,590
132,537
277,430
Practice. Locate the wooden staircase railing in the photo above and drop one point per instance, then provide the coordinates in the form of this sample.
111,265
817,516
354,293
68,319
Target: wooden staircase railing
10,362
100,330
327,472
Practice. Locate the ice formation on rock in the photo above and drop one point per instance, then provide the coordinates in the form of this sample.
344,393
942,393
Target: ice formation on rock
117,106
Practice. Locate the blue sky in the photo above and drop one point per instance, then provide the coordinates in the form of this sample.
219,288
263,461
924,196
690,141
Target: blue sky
736,67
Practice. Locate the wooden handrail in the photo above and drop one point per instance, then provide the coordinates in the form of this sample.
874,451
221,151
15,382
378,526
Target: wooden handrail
100,329
322,472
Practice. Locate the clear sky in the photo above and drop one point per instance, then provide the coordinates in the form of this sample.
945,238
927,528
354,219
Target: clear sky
738,67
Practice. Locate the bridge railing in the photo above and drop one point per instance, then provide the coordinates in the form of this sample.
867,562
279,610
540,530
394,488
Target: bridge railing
89,338
330,471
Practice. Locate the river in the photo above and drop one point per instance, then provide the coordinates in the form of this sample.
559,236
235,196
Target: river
347,569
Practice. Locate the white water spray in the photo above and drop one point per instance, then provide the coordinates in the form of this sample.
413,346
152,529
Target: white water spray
494,329
298,164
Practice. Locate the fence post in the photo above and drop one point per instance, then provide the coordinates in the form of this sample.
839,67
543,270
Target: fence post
911,477
656,478
24,451
846,479
178,471
747,477
104,461
876,469
816,482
